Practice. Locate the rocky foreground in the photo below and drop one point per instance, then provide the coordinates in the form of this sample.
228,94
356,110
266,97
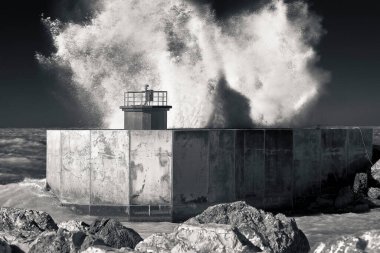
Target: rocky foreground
234,227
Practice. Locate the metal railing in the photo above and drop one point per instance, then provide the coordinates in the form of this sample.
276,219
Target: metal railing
146,98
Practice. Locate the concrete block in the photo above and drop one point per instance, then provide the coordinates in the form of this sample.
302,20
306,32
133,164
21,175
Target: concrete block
151,158
278,169
239,165
252,178
307,157
53,160
222,166
190,150
109,167
333,159
75,175
359,151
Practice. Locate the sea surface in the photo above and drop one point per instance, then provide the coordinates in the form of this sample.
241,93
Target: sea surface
22,185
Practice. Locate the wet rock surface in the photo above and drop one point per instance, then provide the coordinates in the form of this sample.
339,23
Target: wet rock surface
360,186
375,175
21,227
106,249
114,234
268,232
35,231
368,242
198,238
73,226
374,193
235,227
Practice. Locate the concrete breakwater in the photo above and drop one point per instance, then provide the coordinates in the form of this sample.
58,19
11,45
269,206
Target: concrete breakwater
175,174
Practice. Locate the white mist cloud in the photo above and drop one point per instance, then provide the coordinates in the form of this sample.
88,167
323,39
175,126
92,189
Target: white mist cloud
263,55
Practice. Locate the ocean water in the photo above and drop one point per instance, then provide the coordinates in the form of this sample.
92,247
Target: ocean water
22,154
22,185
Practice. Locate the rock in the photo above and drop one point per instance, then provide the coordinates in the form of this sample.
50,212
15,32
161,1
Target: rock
198,238
262,229
114,234
51,242
90,241
60,241
360,186
5,247
21,227
369,242
106,249
374,193
375,173
345,197
73,226
25,220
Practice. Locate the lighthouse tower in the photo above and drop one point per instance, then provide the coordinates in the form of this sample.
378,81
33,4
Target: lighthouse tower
145,110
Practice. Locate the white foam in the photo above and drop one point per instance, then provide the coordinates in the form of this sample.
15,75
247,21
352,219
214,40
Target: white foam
173,47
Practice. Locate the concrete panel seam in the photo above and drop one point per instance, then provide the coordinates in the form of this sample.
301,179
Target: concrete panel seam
90,190
172,174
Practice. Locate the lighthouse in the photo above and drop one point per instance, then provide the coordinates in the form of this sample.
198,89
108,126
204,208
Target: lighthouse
145,110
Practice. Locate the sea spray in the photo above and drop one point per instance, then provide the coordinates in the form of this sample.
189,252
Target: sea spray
266,56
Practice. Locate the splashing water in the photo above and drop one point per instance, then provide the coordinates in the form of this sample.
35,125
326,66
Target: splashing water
266,56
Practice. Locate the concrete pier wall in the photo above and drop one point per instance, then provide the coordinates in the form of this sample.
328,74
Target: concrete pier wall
53,160
173,174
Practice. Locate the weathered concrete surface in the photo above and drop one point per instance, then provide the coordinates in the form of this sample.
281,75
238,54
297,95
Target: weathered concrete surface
190,172
147,172
306,165
53,160
250,177
109,167
221,166
278,168
191,162
151,167
75,173
333,159
359,150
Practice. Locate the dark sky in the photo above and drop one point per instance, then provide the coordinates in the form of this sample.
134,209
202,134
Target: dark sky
33,97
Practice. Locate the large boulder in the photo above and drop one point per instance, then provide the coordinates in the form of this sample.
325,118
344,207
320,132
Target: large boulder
53,242
114,234
375,174
21,227
360,186
368,242
25,221
374,193
270,233
60,241
198,238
